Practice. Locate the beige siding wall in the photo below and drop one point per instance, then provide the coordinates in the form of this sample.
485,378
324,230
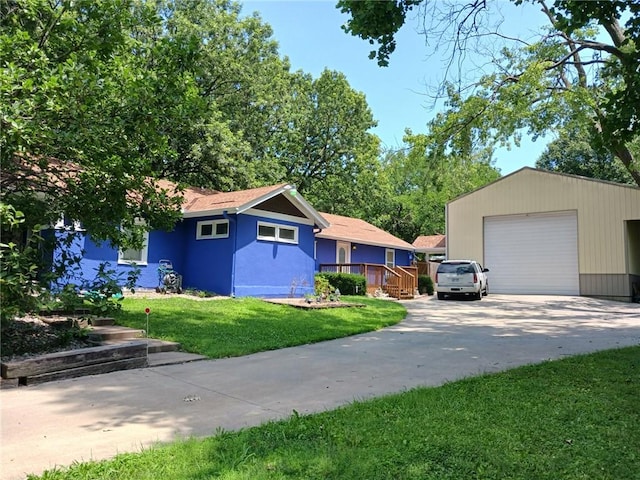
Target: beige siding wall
602,209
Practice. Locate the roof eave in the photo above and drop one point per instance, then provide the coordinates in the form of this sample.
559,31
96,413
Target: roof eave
207,213
408,247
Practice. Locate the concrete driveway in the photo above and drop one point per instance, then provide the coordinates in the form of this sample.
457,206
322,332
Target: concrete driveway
97,417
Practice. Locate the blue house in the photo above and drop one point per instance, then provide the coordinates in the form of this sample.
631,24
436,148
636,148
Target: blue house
263,242
257,242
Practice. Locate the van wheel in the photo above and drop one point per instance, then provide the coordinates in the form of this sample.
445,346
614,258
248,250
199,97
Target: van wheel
486,290
440,296
478,295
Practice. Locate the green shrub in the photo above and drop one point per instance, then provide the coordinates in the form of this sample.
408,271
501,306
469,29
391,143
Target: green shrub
425,284
347,283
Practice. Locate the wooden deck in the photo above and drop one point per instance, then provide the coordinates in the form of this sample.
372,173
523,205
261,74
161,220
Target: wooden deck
397,282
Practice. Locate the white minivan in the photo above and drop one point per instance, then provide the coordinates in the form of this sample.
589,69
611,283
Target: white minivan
462,277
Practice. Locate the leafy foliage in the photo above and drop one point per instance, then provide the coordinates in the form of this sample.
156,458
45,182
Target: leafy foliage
425,284
347,283
572,153
18,266
568,75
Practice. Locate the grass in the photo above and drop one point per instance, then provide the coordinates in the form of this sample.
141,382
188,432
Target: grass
578,418
235,327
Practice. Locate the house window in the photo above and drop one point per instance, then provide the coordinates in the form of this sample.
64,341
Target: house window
132,255
390,258
212,229
66,223
277,233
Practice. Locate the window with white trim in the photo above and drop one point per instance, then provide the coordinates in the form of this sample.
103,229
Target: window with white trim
209,229
66,223
134,255
137,256
277,233
390,257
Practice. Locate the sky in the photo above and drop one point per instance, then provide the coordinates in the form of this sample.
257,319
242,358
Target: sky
309,33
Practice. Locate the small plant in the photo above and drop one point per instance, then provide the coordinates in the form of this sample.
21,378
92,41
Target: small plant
105,292
295,283
321,286
70,298
425,284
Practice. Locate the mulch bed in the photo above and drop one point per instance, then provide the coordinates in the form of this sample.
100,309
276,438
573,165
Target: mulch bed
302,303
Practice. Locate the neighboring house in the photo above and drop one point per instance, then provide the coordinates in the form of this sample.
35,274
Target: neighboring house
547,233
431,245
257,242
435,249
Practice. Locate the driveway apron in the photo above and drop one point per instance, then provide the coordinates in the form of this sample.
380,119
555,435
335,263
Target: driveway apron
97,417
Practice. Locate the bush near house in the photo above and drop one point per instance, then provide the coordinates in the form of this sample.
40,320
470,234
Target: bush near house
347,283
425,284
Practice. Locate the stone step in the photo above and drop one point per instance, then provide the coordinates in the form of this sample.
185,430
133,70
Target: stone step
102,321
155,345
158,346
113,332
113,366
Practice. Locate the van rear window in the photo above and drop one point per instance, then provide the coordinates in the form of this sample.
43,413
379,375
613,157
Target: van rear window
459,268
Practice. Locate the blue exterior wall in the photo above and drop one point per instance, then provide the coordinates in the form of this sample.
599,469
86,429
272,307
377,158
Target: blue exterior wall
207,262
161,246
269,268
326,253
238,265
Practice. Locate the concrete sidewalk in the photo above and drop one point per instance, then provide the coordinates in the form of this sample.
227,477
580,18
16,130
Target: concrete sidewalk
97,417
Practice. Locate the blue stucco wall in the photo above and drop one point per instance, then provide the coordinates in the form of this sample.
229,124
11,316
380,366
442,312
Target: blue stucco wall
208,262
269,268
326,253
238,265
161,246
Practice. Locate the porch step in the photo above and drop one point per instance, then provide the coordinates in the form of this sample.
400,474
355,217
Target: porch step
102,334
155,345
102,321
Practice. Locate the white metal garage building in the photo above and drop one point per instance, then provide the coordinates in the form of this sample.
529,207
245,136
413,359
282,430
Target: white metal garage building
546,233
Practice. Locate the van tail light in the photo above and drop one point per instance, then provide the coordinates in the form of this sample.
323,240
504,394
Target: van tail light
436,277
475,278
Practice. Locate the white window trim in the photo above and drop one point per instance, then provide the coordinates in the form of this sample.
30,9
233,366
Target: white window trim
386,257
61,225
144,251
213,223
277,237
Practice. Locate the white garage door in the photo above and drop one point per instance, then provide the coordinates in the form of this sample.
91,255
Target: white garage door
532,254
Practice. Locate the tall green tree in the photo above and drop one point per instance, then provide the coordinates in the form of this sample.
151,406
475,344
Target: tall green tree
326,140
581,69
232,62
573,153
424,177
78,125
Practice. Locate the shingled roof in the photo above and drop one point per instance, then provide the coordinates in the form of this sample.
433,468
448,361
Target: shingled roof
199,202
430,243
358,231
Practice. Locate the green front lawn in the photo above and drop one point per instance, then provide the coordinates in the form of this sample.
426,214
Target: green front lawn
240,326
577,418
